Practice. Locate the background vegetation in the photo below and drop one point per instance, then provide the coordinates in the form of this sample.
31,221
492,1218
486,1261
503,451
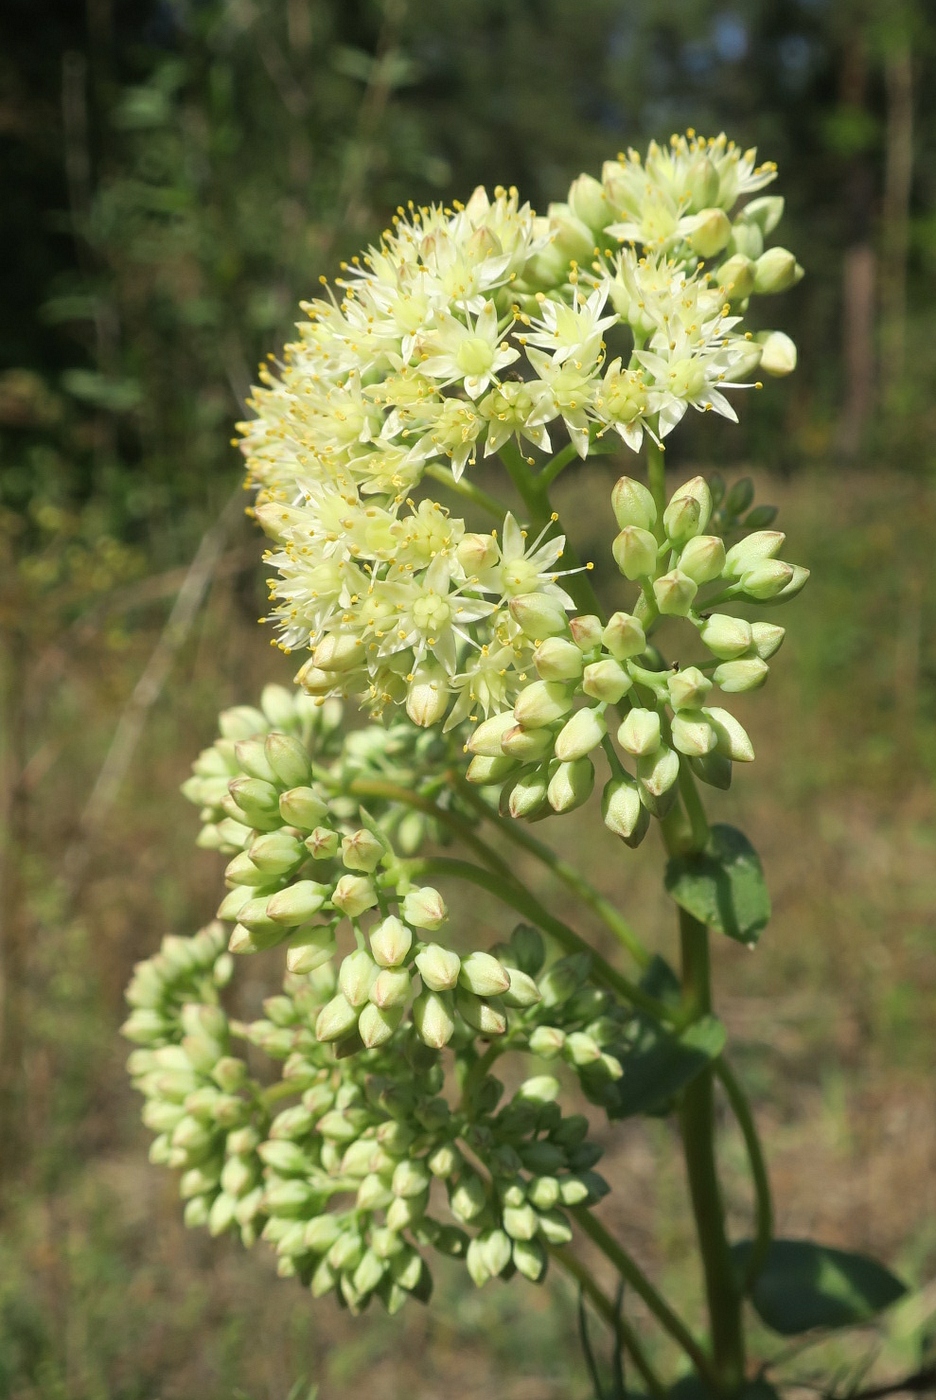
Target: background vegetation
175,176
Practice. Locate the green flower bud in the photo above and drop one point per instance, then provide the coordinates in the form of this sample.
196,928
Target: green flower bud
711,232
242,721
347,1251
557,659
778,354
288,760
386,1244
633,505
657,774
589,203
310,948
622,811
234,901
547,1042
292,1123
252,760
428,696
713,768
354,895
689,510
579,735
302,807
468,1198
606,681
476,1264
486,739
767,579
736,277
748,239
766,211
391,987
727,637
483,975
320,1233
767,638
582,1049
196,1214
284,1157
279,705
276,853
323,1280
369,1272
477,553
747,674
586,631
531,1259
362,851
258,800
776,271
238,1177
687,689
527,745
538,615
356,977
753,550
486,771
542,703
242,871
253,915
336,1019
338,652
527,796
674,593
543,1192
796,585
445,1161
296,903
540,1088
571,237
635,552
390,941
424,908
640,732
624,636
703,558
433,1018
520,1222
482,1016
692,733
553,1225
523,991
731,737
571,785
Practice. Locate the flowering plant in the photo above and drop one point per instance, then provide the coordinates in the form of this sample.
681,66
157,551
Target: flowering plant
492,680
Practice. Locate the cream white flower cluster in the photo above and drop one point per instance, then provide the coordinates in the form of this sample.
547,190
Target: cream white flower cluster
478,330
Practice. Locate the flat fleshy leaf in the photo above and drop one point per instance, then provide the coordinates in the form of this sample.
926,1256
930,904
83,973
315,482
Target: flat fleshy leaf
722,886
658,1064
804,1285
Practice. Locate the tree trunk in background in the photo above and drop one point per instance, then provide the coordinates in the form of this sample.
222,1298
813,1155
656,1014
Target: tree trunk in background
858,273
895,221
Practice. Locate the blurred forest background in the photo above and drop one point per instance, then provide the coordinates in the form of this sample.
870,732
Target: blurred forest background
176,174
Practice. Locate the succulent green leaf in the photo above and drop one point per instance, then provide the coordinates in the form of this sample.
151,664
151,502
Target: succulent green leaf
805,1285
660,1064
722,886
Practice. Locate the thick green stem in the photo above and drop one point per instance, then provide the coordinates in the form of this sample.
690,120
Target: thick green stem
526,904
763,1204
622,1328
697,1121
632,1275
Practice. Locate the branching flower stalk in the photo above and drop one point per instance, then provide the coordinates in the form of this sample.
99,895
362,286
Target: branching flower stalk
491,681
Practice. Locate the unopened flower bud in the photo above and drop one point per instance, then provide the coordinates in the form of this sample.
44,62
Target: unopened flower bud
622,811
711,232
689,510
687,689
776,271
752,550
586,631
657,774
538,615
736,277
438,967
547,1042
796,585
640,732
483,975
362,850
391,987
542,703
703,558
527,745
276,853
252,759
302,807
579,735
589,203
482,1016
748,673
557,659
523,991
428,696
488,771
258,800
310,948
731,737
528,794
693,735
766,211
767,638
296,903
288,759
356,977
571,785
633,505
339,651
486,739
606,681
445,1161
778,353
727,637
469,1197
767,579
322,844
390,941
424,908
354,895
433,1018
336,1019
635,552
476,553
242,722
674,593
624,636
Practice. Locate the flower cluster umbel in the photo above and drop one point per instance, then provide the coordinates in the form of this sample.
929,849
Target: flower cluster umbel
484,329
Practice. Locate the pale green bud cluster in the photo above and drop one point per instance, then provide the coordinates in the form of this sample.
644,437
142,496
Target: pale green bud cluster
603,686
